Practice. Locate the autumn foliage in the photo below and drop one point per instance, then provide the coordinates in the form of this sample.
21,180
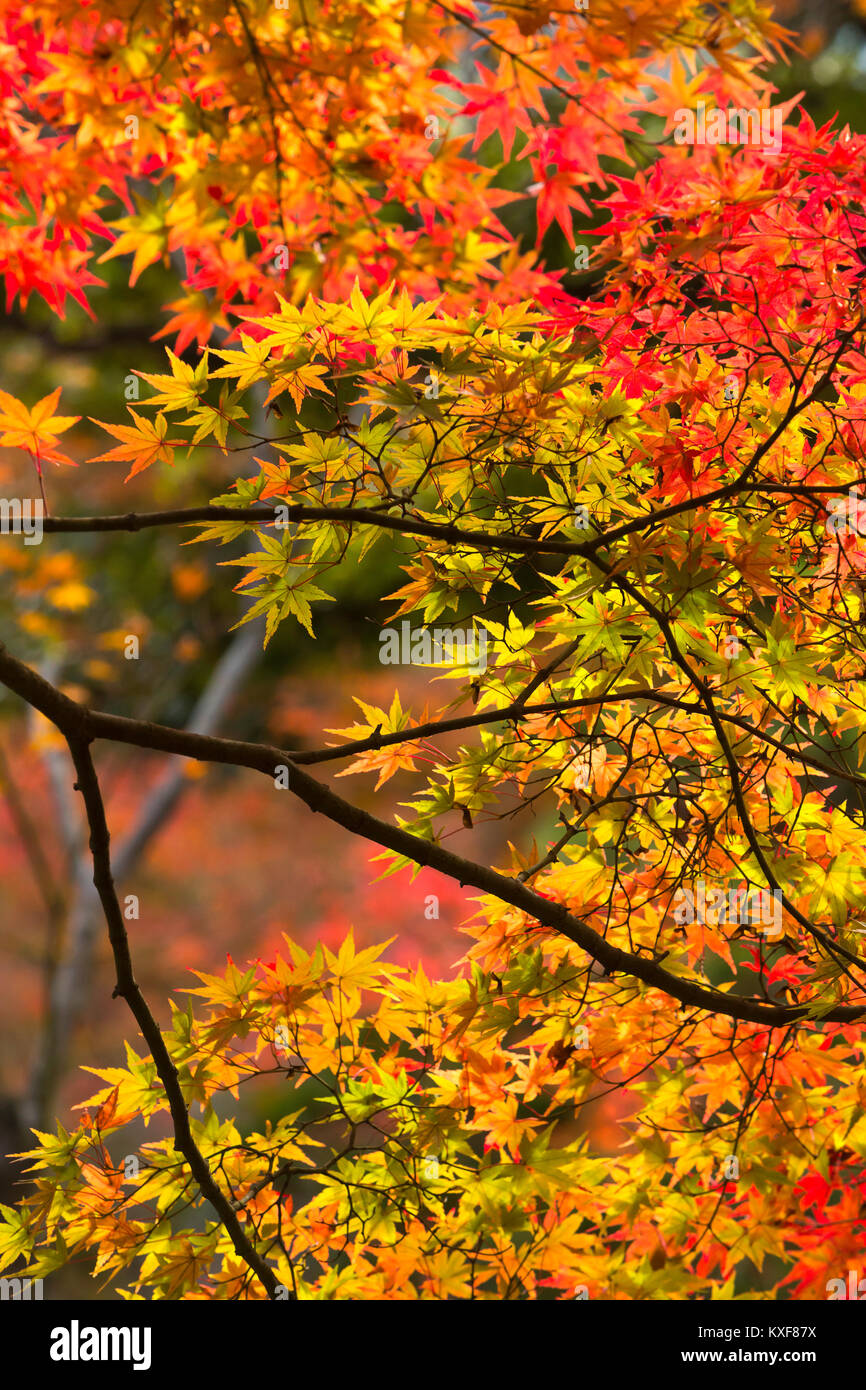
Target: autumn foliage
632,485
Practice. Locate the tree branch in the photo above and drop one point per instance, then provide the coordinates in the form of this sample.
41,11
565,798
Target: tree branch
127,988
299,512
72,973
78,722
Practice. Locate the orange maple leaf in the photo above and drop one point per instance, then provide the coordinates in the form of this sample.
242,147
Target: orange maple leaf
35,430
142,445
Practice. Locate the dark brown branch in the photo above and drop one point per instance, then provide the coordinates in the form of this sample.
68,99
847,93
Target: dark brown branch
299,512
69,981
79,723
504,541
128,989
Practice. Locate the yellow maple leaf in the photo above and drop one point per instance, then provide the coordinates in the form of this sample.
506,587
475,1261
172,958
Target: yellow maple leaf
298,381
182,390
35,430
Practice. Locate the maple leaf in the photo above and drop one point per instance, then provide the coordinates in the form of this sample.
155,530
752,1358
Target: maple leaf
183,389
196,317
215,420
557,195
145,234
143,444
495,103
246,363
297,380
386,761
35,430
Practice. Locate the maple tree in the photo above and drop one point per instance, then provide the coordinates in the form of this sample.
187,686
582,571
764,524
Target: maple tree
644,494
